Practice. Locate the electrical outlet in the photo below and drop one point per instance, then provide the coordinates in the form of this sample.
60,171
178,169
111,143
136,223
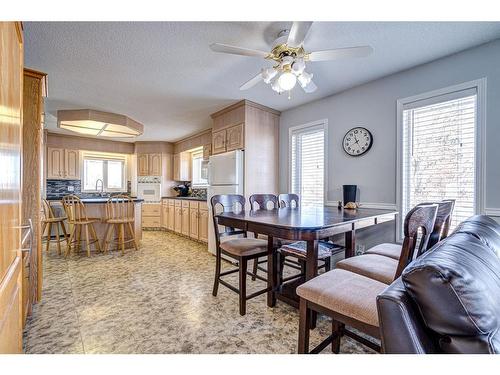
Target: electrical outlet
360,249
71,188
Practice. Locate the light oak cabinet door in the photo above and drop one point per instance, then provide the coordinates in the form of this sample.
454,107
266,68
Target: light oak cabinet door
164,216
177,167
142,164
178,220
203,225
185,221
207,151
235,137
193,223
219,142
171,216
154,165
72,164
55,163
182,166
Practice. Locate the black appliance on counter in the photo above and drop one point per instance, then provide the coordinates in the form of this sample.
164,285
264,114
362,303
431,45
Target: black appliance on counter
350,192
182,190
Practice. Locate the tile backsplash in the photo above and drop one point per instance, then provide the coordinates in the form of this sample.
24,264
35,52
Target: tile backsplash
59,188
199,192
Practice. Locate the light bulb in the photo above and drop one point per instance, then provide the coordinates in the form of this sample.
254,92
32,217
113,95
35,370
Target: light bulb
298,66
287,81
305,78
276,87
268,74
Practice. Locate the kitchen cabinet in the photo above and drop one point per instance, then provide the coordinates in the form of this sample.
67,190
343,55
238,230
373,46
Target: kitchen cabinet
171,215
151,215
178,217
63,164
182,166
149,164
203,222
185,218
229,139
207,151
219,142
193,220
164,214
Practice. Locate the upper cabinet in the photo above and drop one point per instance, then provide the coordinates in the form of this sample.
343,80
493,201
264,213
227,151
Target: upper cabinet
207,151
235,137
63,164
149,164
182,166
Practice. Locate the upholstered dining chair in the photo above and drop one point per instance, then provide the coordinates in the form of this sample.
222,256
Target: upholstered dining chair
350,298
120,217
79,221
240,249
49,221
385,262
288,200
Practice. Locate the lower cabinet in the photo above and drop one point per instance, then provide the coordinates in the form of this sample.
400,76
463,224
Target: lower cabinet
164,214
178,218
171,215
185,218
203,222
151,215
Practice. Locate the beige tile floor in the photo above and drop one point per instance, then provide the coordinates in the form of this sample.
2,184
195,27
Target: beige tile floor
156,300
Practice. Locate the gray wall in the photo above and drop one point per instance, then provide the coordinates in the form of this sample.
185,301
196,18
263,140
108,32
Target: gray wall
373,105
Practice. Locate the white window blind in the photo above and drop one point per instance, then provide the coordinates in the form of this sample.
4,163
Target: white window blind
439,152
307,164
109,169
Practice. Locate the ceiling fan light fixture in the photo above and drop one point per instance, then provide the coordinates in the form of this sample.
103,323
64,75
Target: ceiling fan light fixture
268,74
287,81
298,66
305,78
276,86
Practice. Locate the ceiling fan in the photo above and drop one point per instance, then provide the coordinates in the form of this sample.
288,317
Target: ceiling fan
290,57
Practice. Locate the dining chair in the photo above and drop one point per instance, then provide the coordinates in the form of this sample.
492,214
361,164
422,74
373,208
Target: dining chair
349,298
382,262
79,221
49,221
119,217
288,200
240,249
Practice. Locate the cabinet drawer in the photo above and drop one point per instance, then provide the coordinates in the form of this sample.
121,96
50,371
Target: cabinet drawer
193,204
178,203
151,222
151,209
185,204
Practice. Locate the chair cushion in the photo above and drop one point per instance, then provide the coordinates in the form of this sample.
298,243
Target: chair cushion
456,286
377,267
298,249
244,246
345,293
391,250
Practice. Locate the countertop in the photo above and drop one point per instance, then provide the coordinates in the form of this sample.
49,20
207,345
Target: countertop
187,198
95,200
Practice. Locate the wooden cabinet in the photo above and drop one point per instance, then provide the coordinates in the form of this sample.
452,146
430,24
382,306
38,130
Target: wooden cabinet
149,164
182,166
164,215
185,218
178,220
151,215
171,215
207,151
203,222
193,220
235,137
63,164
219,141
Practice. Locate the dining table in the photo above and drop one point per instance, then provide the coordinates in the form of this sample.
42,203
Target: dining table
309,224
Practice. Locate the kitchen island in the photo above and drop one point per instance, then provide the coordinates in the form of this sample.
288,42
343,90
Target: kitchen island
96,208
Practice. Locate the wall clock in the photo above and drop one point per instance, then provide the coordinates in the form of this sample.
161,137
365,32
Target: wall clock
357,141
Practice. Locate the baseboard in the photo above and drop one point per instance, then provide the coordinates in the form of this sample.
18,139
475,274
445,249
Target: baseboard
381,206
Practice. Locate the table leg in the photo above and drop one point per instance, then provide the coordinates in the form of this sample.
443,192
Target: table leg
312,271
350,244
272,272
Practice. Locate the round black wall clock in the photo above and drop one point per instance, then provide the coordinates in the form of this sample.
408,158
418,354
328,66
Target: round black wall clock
357,141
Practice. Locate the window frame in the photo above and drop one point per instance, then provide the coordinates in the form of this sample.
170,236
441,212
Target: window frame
479,150
105,157
314,124
197,152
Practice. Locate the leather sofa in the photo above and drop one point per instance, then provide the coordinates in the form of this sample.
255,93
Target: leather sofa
447,300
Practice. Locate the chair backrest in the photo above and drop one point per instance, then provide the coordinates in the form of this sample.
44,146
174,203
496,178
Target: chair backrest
442,223
48,213
420,220
120,207
261,201
288,200
74,208
228,202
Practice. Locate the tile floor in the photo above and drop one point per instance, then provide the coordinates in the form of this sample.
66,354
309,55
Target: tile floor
156,300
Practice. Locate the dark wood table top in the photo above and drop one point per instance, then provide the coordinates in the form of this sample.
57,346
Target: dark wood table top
307,218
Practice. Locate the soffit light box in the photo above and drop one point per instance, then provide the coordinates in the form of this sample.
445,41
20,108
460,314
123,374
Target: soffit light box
98,123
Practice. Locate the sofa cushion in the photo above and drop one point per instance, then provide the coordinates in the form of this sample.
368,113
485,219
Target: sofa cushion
483,228
456,286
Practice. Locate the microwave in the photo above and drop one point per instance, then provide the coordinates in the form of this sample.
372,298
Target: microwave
149,191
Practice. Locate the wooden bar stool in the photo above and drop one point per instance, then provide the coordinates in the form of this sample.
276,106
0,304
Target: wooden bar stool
50,220
78,220
119,216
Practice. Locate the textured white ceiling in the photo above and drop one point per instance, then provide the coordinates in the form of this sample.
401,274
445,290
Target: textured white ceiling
164,75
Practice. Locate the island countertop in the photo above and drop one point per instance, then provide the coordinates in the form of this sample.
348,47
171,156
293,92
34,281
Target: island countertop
95,199
198,199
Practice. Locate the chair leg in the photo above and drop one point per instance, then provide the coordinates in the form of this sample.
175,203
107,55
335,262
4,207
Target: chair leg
328,264
304,323
79,237
87,240
122,238
255,265
281,262
132,233
243,262
49,230
70,240
217,272
63,227
109,229
337,332
58,239
94,236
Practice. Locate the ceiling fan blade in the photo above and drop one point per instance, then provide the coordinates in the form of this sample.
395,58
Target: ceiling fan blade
252,82
311,87
225,48
340,53
298,33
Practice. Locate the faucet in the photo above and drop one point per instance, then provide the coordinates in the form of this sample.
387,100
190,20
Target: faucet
101,193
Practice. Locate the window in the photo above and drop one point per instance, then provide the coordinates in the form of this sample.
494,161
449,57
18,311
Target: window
197,163
439,152
307,163
109,169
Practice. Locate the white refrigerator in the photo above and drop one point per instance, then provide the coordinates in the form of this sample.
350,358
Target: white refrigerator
225,176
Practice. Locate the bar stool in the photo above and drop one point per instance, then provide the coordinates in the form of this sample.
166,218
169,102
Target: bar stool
50,220
119,216
78,220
